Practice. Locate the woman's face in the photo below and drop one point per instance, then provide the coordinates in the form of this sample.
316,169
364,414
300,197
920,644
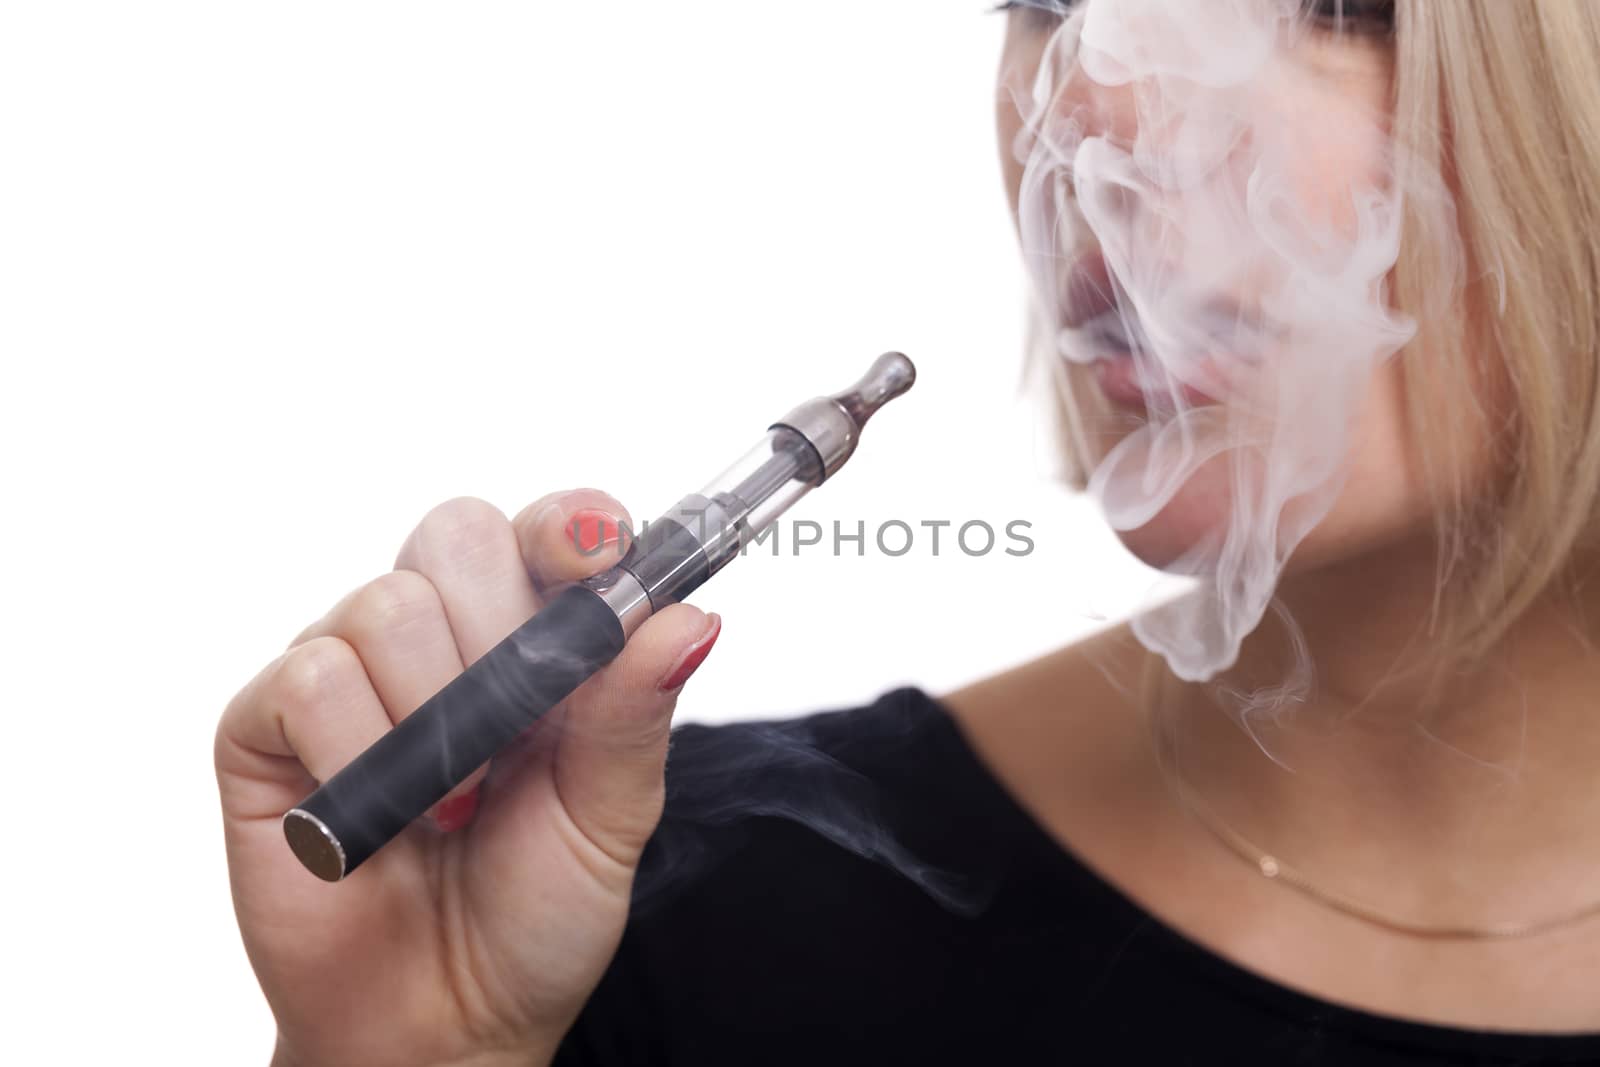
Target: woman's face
1206,198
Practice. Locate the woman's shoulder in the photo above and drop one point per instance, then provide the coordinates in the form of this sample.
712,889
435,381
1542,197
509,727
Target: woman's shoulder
1066,732
1083,681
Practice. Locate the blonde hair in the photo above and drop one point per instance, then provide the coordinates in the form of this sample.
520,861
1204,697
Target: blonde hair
1502,98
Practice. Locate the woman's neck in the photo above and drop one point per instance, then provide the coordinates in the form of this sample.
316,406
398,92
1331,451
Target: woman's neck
1472,800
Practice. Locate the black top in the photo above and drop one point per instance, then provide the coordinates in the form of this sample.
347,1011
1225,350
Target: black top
855,888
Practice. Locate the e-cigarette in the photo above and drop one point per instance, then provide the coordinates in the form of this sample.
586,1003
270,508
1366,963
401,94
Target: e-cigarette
581,629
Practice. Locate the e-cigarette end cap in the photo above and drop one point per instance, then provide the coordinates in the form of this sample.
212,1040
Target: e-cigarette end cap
314,845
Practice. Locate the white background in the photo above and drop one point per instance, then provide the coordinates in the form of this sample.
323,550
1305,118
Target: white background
276,278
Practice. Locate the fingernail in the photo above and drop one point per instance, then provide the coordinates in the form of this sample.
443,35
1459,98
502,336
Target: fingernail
695,655
592,529
456,812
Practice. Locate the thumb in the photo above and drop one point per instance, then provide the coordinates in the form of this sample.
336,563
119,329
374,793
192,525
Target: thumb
612,749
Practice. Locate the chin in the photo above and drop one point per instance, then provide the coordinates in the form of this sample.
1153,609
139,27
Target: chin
1185,536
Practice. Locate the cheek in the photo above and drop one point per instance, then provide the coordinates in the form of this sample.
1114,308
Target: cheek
1007,125
1332,120
1323,172
1382,499
1018,64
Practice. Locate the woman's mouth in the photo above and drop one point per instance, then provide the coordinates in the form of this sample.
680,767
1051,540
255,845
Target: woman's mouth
1099,329
1108,343
1125,385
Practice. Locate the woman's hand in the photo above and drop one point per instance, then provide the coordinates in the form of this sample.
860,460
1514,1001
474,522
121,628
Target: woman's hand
479,933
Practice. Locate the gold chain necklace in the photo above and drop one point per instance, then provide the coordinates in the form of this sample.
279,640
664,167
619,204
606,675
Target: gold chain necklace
1276,870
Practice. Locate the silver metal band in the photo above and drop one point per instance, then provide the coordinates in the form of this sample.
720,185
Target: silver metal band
625,597
831,431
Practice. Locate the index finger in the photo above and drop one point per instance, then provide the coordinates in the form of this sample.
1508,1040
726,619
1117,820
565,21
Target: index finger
569,536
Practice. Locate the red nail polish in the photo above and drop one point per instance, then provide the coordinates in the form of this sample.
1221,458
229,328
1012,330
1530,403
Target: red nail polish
456,812
592,529
694,657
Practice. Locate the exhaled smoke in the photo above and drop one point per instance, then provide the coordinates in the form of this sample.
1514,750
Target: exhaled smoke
719,780
1219,247
1222,247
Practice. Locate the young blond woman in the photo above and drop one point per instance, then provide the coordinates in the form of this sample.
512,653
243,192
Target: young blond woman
1367,834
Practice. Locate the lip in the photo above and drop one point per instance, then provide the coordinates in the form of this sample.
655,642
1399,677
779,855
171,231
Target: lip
1090,311
1124,386
1119,383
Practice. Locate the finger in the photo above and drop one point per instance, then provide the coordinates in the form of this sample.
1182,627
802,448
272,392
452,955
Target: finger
468,551
397,625
297,723
611,749
568,536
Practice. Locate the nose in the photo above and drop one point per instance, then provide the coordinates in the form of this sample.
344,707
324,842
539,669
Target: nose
1099,98
1066,90
1054,94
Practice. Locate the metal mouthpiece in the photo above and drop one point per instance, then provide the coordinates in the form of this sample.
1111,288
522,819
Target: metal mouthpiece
833,423
890,375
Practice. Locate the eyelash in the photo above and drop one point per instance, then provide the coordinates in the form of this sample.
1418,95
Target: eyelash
1342,16
1043,7
1372,17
